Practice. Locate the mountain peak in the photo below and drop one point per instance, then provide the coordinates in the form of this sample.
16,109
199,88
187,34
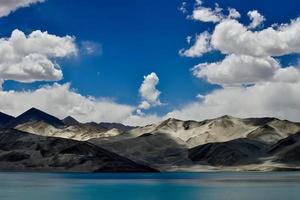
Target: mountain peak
69,121
226,117
33,109
172,120
34,114
168,122
5,118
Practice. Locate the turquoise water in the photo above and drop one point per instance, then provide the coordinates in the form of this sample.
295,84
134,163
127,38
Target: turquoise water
173,186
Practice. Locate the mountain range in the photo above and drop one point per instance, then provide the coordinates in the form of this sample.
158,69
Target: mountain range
36,140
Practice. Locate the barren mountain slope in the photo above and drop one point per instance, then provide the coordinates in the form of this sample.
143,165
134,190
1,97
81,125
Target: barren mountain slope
77,132
222,129
27,152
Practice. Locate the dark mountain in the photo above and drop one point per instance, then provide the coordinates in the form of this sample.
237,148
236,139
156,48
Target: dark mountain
119,126
286,150
4,119
152,150
70,121
281,145
34,114
234,152
95,126
29,152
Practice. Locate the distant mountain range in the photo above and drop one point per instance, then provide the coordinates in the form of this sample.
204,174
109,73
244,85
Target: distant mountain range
36,140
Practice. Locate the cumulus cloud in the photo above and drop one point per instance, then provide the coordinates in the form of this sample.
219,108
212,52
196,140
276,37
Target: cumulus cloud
148,91
144,105
233,13
205,14
8,6
236,70
288,74
256,19
31,58
230,36
280,100
201,46
255,84
61,101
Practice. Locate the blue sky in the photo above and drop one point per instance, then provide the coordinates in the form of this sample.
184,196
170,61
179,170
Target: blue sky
132,39
137,37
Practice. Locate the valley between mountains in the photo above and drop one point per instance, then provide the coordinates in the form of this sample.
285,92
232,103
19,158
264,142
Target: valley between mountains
37,141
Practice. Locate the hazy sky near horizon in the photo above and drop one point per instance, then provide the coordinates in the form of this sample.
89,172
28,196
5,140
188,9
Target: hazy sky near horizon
141,61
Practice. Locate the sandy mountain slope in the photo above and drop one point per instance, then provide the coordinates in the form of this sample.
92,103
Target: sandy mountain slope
192,133
40,123
268,130
165,145
79,132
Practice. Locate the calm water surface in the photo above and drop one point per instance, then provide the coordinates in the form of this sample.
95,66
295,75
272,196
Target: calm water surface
207,186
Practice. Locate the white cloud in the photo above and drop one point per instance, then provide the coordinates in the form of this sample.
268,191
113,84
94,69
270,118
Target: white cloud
272,90
268,99
148,91
201,46
256,19
198,2
144,105
8,6
1,83
142,120
233,13
230,36
205,14
61,101
236,70
288,75
31,58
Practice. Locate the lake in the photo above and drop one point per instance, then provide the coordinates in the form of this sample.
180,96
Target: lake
149,186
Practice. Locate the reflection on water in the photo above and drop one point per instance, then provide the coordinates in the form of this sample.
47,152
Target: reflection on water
147,186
